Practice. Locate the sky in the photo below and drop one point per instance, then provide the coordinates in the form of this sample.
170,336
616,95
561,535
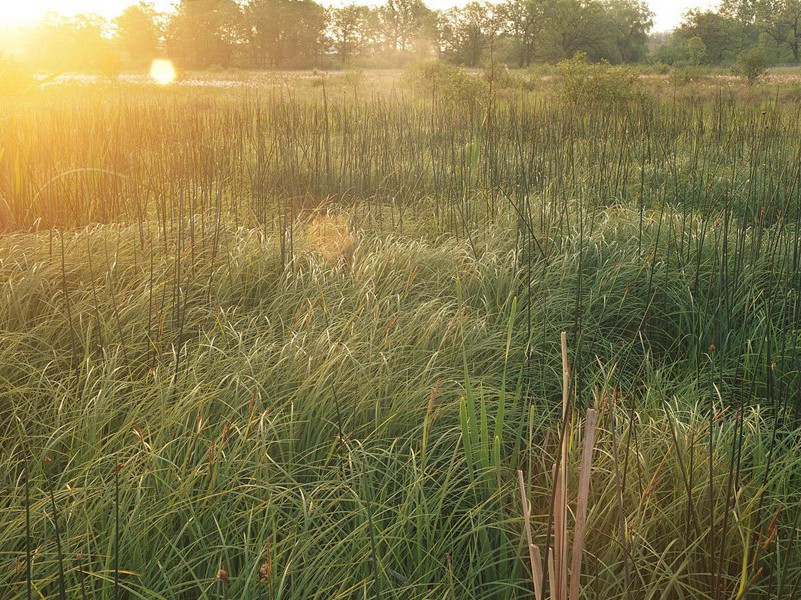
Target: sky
668,12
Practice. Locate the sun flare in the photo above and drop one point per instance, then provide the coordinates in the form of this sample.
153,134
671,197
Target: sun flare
162,71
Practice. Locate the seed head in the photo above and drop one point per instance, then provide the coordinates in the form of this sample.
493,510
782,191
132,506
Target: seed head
266,572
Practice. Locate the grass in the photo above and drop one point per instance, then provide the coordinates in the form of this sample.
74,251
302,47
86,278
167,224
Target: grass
297,342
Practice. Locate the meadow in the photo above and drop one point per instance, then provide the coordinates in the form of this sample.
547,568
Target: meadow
296,339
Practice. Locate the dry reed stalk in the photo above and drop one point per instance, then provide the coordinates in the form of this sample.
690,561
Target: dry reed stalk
561,503
581,508
533,551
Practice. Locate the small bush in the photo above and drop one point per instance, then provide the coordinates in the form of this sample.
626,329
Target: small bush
751,65
584,83
450,83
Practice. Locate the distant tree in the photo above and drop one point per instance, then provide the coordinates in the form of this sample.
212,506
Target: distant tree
77,43
137,33
781,20
350,30
467,32
632,21
695,51
286,33
724,37
402,21
205,32
743,11
681,52
580,26
524,21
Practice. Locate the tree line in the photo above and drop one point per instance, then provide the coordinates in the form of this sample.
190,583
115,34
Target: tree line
292,34
765,30
287,34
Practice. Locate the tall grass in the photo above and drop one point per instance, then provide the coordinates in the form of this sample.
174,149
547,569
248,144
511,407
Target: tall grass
321,330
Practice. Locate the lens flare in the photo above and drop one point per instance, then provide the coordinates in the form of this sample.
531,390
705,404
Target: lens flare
162,71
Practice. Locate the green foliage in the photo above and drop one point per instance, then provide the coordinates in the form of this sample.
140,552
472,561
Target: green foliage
723,38
587,84
320,331
751,65
695,51
446,81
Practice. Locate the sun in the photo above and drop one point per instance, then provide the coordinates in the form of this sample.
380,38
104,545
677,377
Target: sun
162,71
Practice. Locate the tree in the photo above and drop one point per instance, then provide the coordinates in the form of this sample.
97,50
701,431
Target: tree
466,33
723,37
632,20
137,33
286,33
350,30
204,32
781,20
402,21
77,43
578,26
743,11
682,52
696,51
524,21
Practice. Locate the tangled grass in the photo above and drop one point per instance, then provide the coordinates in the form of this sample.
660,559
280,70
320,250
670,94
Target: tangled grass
298,346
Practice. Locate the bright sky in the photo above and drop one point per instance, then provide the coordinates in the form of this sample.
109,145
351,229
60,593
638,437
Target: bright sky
668,12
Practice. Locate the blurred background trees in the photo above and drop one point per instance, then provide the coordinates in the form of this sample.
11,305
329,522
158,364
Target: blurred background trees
289,34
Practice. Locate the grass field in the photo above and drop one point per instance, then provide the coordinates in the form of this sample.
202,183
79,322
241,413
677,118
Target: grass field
296,340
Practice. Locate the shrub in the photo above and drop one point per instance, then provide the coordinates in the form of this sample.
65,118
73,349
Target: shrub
751,64
452,84
584,83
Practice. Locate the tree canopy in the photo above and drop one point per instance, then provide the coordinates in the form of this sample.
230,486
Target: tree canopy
287,34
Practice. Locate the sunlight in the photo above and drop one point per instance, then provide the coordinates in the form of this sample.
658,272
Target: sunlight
16,14
162,71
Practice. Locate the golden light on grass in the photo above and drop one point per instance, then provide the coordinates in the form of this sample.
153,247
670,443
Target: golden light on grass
330,236
162,71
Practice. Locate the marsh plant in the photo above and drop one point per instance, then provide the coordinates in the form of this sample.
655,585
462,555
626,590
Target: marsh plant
321,330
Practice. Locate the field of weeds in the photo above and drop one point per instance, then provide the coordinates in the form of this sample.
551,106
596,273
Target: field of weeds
305,340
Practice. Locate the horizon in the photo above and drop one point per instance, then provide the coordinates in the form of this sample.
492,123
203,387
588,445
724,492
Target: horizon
667,13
